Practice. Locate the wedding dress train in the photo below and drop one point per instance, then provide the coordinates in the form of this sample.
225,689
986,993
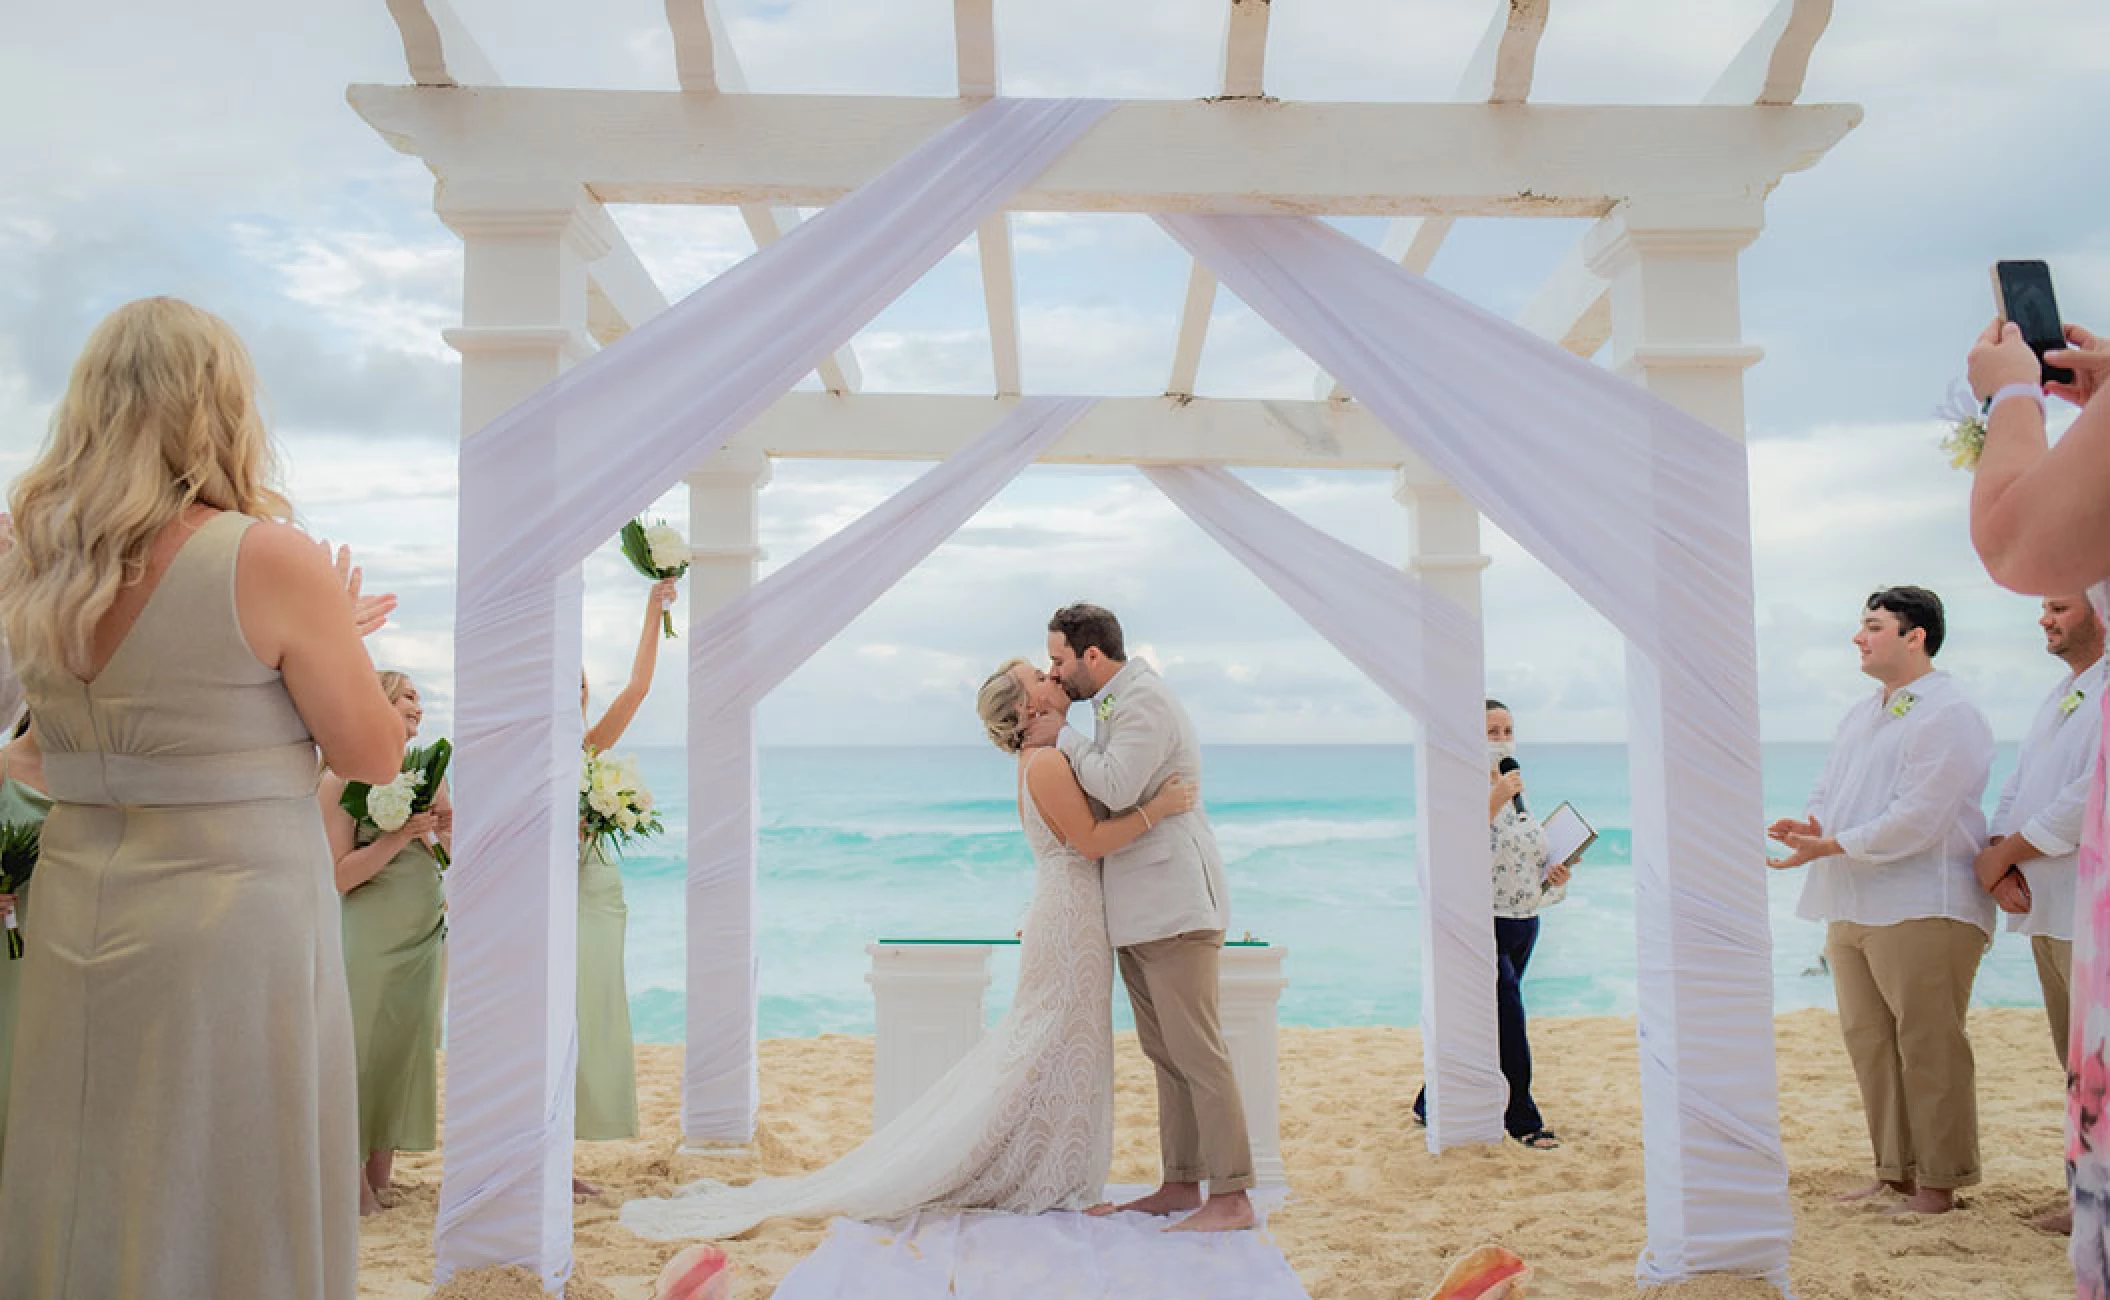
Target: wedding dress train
1023,1124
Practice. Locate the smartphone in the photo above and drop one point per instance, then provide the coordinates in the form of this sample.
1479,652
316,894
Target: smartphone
2022,291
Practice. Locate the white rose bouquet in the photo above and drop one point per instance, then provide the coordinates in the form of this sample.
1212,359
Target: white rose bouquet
658,552
614,804
387,807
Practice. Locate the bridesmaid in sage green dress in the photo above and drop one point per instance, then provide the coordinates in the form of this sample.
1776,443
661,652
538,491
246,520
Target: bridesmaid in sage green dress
22,799
606,1096
394,962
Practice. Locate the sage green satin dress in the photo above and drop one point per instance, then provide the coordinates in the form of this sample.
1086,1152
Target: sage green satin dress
606,1097
18,803
183,1119
394,962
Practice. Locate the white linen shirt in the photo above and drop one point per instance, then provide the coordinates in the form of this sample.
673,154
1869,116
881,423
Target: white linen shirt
2046,798
1900,793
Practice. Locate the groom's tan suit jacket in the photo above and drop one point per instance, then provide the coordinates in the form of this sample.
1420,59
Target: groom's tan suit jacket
1170,880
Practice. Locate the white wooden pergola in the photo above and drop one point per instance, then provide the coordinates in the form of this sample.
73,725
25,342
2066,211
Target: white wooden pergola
1676,191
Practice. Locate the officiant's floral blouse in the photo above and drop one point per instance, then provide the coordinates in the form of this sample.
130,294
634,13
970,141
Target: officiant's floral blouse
1520,854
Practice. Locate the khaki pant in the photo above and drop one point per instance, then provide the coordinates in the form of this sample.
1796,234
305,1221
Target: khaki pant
1172,984
1903,993
2055,973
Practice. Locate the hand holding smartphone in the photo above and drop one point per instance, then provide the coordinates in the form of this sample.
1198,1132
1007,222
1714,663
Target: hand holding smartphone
2022,290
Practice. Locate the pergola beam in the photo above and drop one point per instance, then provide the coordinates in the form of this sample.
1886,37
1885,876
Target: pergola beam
1145,155
1573,305
697,30
1116,431
974,47
1194,328
1499,72
1245,50
974,35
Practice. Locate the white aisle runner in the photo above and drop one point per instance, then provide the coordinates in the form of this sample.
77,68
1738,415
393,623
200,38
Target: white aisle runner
985,1256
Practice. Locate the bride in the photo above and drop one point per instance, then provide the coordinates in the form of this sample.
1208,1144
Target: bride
1024,1123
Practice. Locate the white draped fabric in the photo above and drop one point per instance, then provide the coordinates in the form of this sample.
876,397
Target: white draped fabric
1424,651
541,487
739,654
1644,511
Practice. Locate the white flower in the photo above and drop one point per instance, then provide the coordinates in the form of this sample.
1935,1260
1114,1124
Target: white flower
643,799
605,802
389,805
668,549
626,819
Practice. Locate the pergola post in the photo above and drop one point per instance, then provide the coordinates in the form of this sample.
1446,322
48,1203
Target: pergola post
526,250
1716,1178
720,1090
1466,1091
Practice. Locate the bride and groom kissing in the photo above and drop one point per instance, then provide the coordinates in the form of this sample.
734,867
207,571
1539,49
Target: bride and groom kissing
1125,869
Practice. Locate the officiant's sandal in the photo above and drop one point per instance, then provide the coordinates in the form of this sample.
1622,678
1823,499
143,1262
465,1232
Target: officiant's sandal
1544,1139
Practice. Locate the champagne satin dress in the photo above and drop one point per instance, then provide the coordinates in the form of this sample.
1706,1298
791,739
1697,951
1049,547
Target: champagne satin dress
183,1119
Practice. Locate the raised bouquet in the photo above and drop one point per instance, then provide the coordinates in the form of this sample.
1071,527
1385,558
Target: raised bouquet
657,553
1966,421
19,842
614,804
387,807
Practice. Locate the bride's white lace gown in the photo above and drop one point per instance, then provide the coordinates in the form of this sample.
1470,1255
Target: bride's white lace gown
1024,1123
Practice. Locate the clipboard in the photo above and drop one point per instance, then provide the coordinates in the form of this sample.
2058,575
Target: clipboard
1568,835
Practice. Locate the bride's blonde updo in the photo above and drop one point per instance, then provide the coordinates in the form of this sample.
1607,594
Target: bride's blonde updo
1002,704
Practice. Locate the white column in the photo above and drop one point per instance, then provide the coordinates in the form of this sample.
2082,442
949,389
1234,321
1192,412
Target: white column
928,1011
1717,1182
720,1088
1249,994
1461,1067
524,317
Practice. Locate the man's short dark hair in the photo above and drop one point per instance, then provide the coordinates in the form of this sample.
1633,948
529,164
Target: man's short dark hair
1493,704
1915,607
1085,626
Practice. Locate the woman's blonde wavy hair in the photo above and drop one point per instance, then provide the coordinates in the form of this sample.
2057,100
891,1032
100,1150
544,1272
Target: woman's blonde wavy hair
1002,705
160,414
394,684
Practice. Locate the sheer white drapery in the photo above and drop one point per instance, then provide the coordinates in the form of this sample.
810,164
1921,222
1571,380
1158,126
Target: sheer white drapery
1424,651
739,654
1644,511
541,487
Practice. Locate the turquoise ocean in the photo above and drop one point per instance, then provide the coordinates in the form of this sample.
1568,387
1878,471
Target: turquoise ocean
861,844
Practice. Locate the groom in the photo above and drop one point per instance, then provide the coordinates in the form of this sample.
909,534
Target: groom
1166,909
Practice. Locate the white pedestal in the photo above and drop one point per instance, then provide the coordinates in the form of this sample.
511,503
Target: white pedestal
928,1008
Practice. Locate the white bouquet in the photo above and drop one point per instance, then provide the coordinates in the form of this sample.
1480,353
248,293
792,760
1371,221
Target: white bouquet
614,804
387,807
658,552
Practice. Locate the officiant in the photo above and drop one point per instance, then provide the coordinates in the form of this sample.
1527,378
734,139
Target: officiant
1525,883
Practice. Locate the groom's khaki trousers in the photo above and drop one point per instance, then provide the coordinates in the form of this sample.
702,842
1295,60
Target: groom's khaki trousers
1201,1121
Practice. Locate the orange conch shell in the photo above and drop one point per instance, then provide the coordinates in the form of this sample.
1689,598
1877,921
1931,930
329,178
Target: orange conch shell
1487,1273
698,1273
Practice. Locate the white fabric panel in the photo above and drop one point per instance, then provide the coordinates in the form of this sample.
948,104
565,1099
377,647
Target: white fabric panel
541,487
1057,1256
1644,511
1424,651
736,656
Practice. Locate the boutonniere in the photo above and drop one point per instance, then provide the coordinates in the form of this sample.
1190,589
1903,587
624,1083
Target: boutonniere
1104,710
2070,704
1901,703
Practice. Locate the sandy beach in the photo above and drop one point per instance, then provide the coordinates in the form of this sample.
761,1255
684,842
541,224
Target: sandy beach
1373,1215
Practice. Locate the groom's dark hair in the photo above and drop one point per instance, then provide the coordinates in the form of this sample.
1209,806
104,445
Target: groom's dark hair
1085,626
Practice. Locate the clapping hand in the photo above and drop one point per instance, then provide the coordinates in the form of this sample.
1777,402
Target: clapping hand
369,613
1806,841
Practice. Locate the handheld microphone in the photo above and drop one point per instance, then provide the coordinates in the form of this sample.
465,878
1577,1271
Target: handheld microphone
1505,767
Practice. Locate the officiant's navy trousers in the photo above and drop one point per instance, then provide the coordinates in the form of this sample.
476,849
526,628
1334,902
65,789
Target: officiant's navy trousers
1515,937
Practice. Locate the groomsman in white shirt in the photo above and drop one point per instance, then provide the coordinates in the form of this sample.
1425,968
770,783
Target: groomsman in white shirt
2029,868
1892,831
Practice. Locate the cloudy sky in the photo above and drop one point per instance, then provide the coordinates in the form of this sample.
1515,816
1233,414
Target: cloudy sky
207,151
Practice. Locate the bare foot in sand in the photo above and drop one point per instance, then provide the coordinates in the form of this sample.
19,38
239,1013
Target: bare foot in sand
1875,1189
1927,1200
2058,1221
1229,1212
581,1190
1172,1198
368,1202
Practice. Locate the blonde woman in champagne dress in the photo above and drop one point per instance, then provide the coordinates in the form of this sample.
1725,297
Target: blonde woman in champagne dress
606,1096
395,931
185,1124
22,800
